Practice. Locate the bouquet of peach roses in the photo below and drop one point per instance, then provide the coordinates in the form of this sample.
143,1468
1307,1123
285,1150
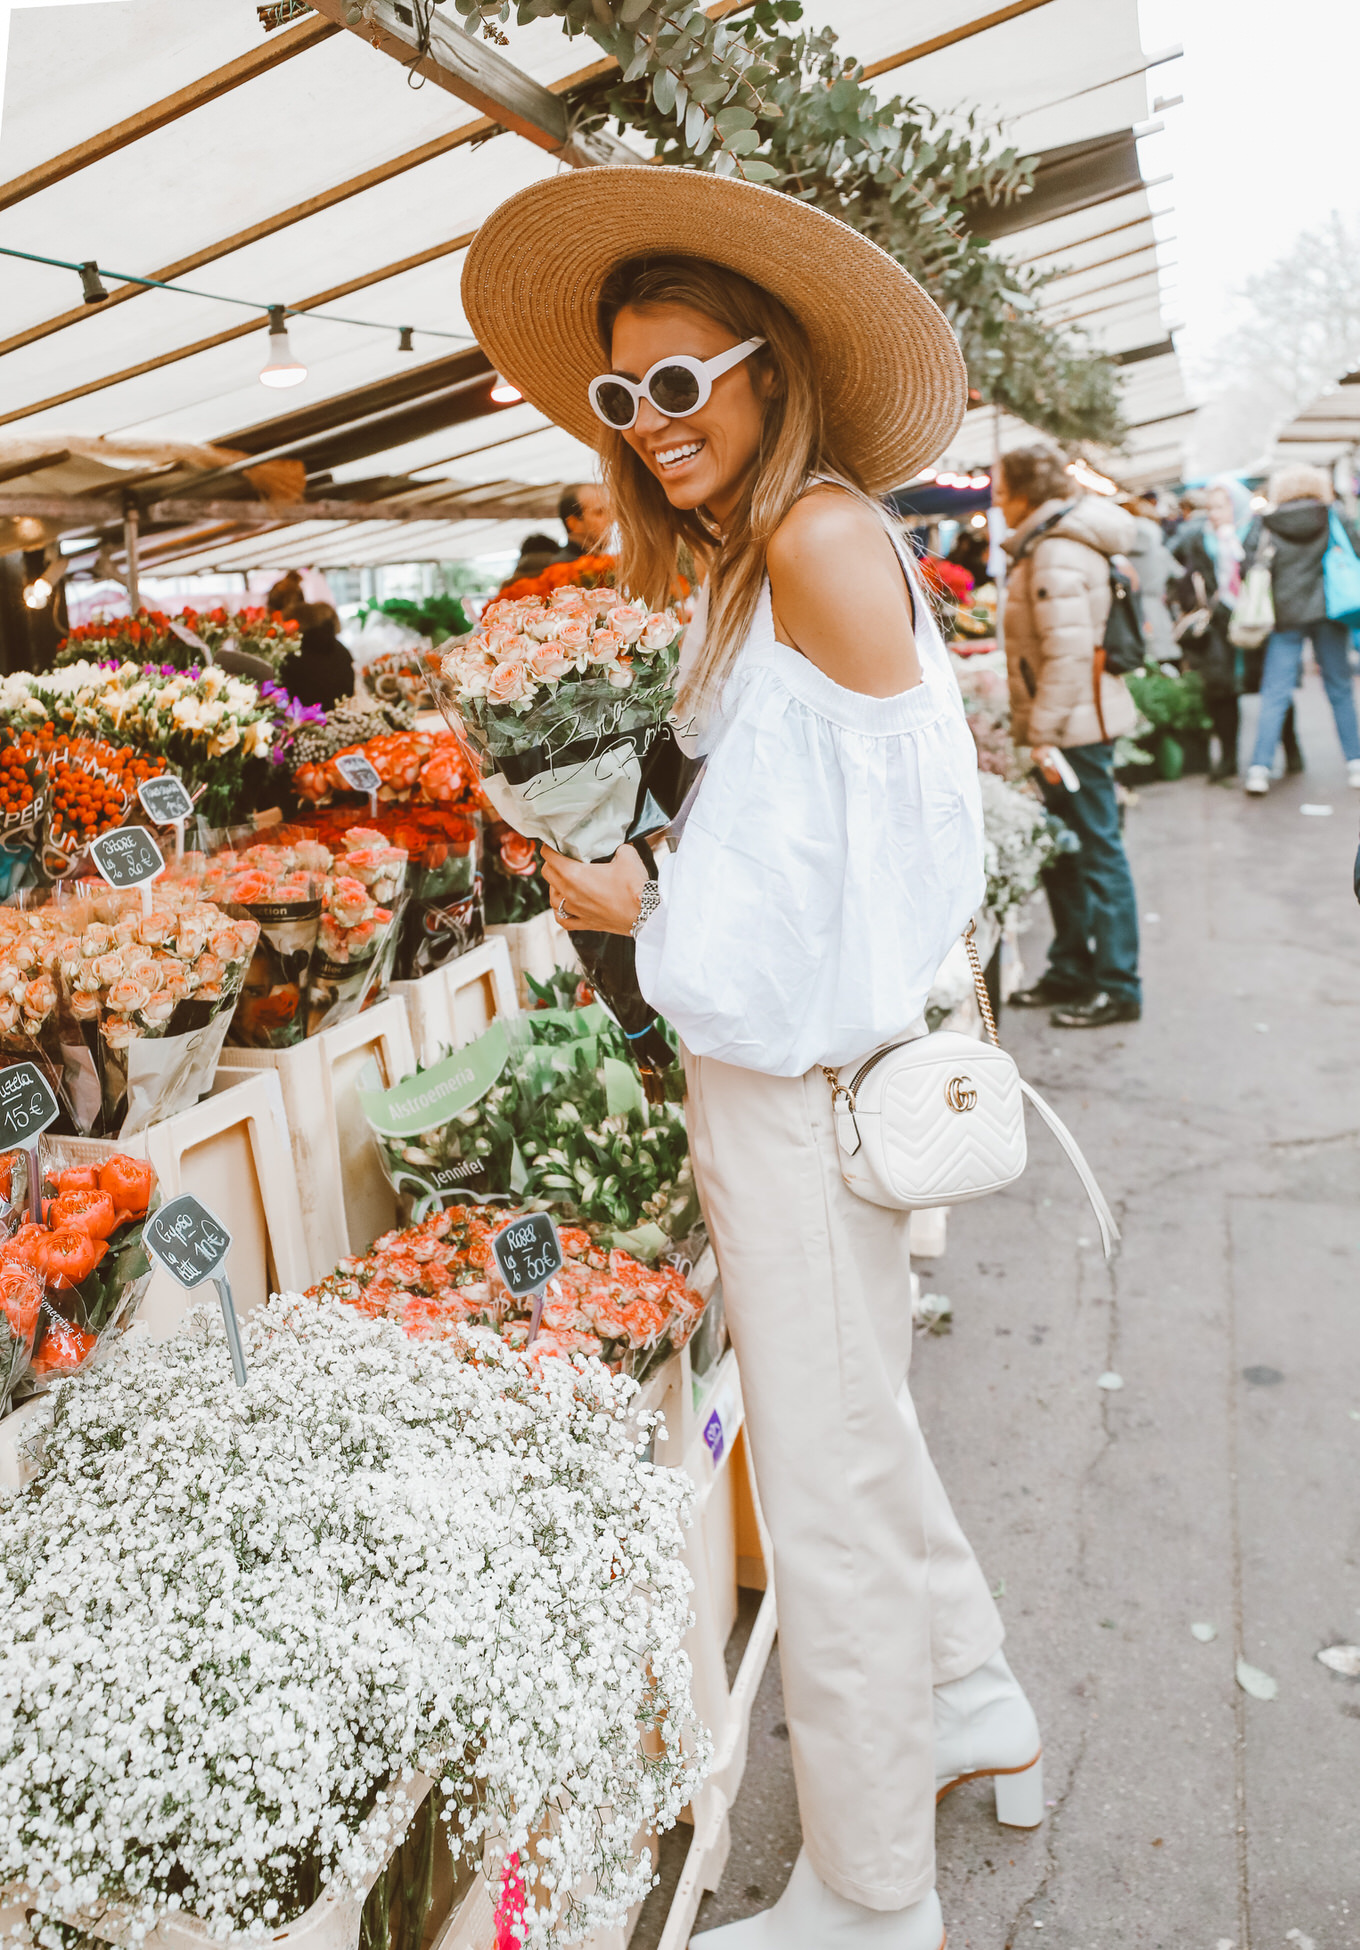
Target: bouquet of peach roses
562,698
566,700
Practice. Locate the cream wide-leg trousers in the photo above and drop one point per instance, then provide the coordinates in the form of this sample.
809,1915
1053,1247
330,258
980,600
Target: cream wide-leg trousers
880,1596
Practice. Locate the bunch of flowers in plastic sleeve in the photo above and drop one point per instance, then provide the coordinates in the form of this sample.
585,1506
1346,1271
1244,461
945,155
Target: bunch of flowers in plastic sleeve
438,1559
150,995
85,1252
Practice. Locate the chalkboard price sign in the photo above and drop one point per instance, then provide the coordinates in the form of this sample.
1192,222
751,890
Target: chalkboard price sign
192,1243
127,857
187,1239
27,1105
165,800
357,773
528,1252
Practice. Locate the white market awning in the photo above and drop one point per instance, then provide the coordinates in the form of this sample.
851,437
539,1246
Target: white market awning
300,168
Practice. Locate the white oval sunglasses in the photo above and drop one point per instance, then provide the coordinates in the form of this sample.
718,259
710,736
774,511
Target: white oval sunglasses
675,387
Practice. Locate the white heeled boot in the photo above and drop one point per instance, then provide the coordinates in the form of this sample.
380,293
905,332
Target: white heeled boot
984,1725
809,1916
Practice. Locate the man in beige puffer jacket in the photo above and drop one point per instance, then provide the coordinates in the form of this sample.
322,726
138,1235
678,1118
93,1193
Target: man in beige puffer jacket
1057,605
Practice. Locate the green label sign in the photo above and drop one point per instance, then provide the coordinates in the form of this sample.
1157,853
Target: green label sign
437,1094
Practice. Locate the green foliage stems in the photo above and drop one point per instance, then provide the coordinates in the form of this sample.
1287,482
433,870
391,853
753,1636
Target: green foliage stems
755,100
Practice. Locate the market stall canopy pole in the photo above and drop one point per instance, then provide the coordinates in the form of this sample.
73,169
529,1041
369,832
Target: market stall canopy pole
307,34
473,71
982,25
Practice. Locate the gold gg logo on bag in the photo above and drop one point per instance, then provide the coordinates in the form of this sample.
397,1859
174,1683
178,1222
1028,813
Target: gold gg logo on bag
959,1094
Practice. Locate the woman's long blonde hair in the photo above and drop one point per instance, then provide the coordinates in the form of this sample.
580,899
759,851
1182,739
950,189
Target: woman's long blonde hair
793,445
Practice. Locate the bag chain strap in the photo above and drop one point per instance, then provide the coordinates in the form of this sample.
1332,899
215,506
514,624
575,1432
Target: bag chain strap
984,1000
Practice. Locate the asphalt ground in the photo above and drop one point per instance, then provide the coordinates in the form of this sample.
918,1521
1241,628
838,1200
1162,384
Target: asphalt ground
1220,1485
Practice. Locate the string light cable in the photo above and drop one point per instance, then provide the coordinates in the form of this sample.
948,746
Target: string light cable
90,273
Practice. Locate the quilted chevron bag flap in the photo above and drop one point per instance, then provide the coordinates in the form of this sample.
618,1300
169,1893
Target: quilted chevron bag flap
941,1118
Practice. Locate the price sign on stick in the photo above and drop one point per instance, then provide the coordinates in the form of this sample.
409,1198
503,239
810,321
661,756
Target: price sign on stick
359,776
27,1106
129,857
528,1253
191,1243
167,801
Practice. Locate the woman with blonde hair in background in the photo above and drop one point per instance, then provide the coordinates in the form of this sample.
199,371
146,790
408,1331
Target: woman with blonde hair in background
1296,529
754,373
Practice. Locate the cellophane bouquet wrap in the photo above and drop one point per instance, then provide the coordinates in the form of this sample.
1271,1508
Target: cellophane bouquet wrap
327,926
145,999
566,700
81,1242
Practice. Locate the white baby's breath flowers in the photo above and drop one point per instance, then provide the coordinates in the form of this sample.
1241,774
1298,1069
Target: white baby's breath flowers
231,1615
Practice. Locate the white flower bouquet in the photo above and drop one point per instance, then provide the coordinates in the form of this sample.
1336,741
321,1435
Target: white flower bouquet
233,1615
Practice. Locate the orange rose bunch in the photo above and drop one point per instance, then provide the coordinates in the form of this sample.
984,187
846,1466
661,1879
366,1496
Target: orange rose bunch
86,1254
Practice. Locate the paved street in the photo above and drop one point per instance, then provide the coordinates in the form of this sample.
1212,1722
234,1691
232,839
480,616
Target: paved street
1219,1485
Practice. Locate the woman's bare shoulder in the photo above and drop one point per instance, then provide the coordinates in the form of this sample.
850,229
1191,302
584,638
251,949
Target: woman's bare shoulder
827,529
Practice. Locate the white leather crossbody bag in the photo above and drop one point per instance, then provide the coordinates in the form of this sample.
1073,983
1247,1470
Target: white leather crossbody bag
940,1119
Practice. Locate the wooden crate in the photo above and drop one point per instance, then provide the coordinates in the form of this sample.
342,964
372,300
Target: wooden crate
344,1196
233,1151
536,948
455,1003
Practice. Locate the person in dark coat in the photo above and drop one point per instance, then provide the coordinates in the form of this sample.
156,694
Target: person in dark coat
1208,588
321,670
1297,530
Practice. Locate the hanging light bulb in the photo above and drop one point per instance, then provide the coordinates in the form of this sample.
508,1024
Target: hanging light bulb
504,393
281,368
405,342
91,284
38,593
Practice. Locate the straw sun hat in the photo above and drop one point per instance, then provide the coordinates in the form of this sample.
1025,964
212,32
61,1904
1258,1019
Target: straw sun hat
892,377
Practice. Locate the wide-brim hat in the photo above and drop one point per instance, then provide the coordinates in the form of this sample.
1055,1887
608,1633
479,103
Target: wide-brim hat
892,378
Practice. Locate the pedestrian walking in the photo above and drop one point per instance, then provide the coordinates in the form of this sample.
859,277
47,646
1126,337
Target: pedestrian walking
1296,530
1208,549
831,855
1062,700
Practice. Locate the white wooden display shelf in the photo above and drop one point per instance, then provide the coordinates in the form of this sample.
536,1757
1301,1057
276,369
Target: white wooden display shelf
233,1151
537,947
344,1198
454,1004
726,1548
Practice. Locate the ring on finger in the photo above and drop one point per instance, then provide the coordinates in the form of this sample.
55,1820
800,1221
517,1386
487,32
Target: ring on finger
562,908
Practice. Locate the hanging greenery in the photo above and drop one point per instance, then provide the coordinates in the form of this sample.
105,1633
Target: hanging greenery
761,99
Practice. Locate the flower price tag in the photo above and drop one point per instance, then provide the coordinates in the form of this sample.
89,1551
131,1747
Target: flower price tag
192,1244
360,776
129,857
167,801
528,1253
28,1105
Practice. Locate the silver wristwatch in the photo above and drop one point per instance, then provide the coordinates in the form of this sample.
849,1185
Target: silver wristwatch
647,905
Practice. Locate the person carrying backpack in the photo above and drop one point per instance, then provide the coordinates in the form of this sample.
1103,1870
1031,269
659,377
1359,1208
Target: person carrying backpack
1071,625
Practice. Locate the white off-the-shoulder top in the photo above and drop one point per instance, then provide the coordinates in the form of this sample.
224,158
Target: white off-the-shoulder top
833,854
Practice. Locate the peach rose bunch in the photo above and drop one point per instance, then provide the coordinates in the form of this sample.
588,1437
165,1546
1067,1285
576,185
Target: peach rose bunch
525,648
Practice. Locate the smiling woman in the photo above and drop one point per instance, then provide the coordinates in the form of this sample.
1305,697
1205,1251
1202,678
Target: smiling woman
753,372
